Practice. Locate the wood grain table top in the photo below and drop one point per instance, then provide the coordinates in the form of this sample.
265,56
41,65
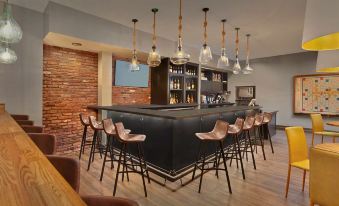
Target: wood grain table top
26,175
334,123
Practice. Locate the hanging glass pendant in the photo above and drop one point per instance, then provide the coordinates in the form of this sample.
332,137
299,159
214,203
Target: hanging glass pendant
7,55
223,61
180,56
134,65
237,68
10,31
154,58
248,69
205,51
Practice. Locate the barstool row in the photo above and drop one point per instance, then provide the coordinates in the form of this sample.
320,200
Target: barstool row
246,136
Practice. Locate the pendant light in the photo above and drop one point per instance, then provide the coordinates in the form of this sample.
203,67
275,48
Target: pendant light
248,69
236,68
154,58
205,51
180,56
134,65
7,55
223,62
10,31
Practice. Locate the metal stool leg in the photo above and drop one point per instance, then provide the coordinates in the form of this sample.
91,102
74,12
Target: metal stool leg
83,142
105,156
202,169
225,165
240,158
252,153
141,169
197,160
91,154
118,168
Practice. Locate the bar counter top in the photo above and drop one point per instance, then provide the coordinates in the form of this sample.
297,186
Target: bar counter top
172,111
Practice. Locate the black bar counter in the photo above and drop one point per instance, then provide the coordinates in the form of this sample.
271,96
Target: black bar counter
171,145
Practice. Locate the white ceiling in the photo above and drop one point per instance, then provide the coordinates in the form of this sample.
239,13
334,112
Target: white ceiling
275,25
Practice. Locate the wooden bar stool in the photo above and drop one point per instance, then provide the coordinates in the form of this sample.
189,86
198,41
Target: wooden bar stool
109,129
95,146
217,135
258,134
266,121
127,139
247,128
84,142
235,131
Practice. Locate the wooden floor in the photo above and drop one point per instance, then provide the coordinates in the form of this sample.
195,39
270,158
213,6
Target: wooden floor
264,186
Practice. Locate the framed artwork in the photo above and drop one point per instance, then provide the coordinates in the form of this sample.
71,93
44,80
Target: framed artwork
317,93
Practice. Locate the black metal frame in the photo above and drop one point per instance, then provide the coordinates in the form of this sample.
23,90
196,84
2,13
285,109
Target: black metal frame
95,148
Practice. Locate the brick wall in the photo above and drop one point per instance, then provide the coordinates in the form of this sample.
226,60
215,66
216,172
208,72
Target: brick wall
70,83
130,95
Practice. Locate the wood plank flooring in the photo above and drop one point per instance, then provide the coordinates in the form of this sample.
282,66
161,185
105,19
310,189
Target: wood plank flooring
264,186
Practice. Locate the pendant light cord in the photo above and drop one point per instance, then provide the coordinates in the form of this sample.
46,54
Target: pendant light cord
248,48
237,43
154,25
134,34
180,20
205,26
223,34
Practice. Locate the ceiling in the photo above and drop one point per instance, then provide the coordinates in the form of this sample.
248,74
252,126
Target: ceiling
275,26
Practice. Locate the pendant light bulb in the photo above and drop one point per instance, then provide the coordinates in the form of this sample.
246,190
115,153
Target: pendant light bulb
10,31
223,61
154,58
7,55
237,68
134,65
205,51
248,69
180,56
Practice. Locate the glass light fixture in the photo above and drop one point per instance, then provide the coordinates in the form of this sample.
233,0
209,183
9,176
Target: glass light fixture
134,65
205,51
7,55
237,68
223,61
248,69
180,56
154,58
10,31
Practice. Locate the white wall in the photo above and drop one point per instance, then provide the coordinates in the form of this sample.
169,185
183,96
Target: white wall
273,78
21,82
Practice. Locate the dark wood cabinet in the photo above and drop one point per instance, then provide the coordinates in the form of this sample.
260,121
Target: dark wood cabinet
174,84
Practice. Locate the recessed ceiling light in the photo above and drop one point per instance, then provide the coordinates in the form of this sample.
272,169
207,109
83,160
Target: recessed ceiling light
76,44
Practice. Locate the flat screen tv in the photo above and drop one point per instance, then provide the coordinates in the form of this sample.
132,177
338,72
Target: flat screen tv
125,77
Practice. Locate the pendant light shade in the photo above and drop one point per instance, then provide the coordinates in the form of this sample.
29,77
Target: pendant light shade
154,58
223,61
321,27
248,69
134,65
10,31
180,56
7,55
236,67
205,51
328,61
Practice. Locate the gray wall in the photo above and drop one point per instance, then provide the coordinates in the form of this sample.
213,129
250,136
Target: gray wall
273,78
21,82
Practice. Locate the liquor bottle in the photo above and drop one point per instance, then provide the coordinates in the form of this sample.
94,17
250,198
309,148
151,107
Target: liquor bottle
193,86
171,84
170,69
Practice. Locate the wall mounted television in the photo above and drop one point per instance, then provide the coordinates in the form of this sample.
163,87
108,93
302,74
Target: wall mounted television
125,77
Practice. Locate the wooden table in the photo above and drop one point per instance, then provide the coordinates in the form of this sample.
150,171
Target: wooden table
26,175
333,123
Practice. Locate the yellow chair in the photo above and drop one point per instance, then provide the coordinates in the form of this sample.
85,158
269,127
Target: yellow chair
297,152
318,128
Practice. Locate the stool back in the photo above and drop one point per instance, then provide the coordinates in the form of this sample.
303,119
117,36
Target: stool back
239,124
297,145
249,122
122,135
45,142
95,125
267,117
259,118
83,120
317,123
32,129
20,116
220,129
25,122
109,127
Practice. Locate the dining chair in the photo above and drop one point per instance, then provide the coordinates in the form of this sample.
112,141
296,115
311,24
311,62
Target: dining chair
318,128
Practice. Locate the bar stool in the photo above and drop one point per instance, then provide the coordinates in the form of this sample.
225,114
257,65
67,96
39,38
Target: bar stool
85,123
258,133
217,135
235,131
126,139
247,128
266,121
96,126
109,129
